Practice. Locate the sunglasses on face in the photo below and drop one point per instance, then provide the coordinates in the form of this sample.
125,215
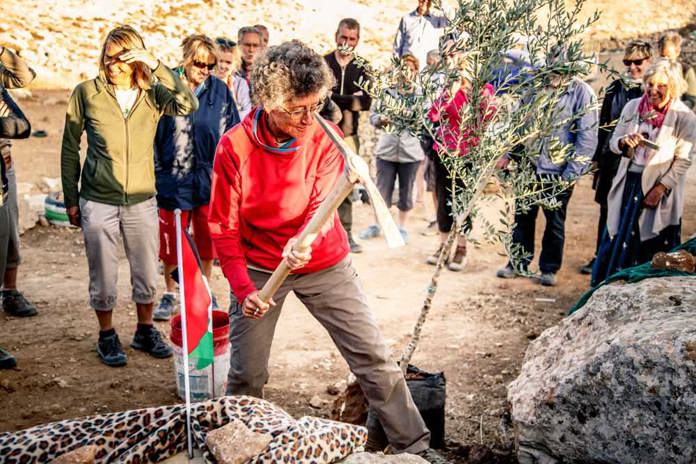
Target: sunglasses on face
298,113
115,58
202,65
637,62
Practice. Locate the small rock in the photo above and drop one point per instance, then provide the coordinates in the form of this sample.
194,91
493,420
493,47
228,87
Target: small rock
316,402
7,386
234,443
83,455
336,388
381,458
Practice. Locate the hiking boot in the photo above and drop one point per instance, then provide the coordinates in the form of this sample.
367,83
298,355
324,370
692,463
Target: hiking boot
14,304
7,361
150,341
432,259
587,268
459,260
548,279
507,272
433,457
110,350
165,308
372,231
355,247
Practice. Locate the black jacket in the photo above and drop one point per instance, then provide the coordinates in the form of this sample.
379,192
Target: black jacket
12,126
344,93
615,98
185,148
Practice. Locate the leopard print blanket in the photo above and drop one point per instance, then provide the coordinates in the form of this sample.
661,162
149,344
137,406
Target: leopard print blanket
154,434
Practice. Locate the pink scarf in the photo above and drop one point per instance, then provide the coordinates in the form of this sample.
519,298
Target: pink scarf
650,114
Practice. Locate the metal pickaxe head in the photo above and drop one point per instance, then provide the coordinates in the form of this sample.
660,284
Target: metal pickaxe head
359,172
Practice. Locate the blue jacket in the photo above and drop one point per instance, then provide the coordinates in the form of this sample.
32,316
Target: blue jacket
185,147
576,107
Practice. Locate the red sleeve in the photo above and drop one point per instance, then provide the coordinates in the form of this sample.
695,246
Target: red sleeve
223,219
329,170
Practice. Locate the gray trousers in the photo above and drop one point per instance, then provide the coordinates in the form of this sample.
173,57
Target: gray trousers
137,224
335,298
9,230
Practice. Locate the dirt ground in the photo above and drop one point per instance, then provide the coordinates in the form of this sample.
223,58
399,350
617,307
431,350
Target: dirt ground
477,333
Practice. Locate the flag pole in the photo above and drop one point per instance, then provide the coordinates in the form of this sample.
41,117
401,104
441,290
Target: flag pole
184,341
210,327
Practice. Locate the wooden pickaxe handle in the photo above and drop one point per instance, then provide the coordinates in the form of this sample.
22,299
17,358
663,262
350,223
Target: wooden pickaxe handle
324,213
353,172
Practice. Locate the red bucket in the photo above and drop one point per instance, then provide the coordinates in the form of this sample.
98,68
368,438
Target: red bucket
221,331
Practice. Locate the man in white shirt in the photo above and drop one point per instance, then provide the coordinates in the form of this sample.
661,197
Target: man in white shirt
419,32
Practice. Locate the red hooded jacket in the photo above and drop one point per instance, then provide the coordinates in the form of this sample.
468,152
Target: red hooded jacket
262,196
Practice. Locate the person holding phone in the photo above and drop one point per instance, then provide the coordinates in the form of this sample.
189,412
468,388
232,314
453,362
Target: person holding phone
656,138
637,56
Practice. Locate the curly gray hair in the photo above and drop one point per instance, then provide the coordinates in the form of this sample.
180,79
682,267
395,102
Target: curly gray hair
287,71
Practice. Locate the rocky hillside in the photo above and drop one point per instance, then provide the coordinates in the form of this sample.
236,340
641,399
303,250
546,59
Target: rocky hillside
62,38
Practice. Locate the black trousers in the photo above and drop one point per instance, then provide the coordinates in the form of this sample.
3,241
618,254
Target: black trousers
345,214
554,234
443,189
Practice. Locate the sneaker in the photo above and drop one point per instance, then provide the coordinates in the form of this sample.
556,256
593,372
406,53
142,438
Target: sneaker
355,247
432,259
7,361
150,341
110,350
459,260
587,268
165,308
507,272
372,231
404,234
548,279
216,307
14,304
433,457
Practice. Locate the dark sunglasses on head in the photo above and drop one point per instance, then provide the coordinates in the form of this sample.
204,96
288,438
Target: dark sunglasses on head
201,65
637,62
226,43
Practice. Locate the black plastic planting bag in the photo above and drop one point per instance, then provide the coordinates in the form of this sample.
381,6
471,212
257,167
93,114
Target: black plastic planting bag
428,392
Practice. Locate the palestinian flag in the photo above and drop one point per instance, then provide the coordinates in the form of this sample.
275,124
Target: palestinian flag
196,301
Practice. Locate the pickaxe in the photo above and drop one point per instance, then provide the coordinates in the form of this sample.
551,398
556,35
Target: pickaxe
356,171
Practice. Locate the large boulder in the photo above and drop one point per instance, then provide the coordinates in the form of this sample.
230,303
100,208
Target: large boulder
615,382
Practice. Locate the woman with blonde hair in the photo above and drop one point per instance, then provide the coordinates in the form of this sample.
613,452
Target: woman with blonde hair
656,139
184,154
637,57
229,62
120,110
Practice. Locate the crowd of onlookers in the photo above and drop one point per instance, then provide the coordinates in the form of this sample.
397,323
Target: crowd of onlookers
153,132
219,137
136,174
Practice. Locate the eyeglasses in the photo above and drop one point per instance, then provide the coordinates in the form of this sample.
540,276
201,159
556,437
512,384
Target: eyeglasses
310,110
201,65
637,62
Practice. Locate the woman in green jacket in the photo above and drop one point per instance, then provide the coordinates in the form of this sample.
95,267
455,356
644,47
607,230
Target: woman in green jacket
120,110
